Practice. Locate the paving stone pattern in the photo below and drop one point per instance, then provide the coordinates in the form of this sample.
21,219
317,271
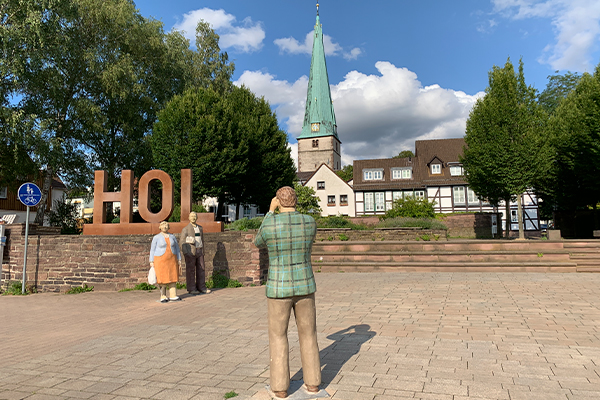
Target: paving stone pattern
385,336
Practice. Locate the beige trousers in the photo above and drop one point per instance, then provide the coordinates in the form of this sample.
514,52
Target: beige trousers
306,321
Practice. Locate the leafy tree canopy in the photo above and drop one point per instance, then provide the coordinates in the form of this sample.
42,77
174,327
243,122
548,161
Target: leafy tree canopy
308,203
405,154
557,89
346,173
231,141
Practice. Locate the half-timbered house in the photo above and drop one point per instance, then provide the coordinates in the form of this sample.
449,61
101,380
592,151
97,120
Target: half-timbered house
435,173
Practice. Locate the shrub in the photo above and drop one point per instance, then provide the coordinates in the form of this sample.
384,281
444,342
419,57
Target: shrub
220,281
15,289
411,207
64,215
80,289
401,222
244,224
338,222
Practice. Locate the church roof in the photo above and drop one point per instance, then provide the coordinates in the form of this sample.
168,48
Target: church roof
319,117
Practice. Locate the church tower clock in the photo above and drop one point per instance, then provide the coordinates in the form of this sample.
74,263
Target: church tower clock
318,143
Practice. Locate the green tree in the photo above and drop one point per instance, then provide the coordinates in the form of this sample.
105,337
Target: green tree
506,146
308,202
557,89
90,76
575,127
231,142
405,154
346,173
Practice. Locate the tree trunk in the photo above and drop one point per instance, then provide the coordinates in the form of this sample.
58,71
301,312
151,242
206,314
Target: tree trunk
41,209
508,217
520,216
237,211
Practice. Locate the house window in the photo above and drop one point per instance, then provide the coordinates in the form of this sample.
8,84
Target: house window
401,173
459,194
343,199
472,197
417,194
372,174
331,200
3,192
247,212
379,201
436,168
396,196
315,143
456,170
513,216
320,185
369,203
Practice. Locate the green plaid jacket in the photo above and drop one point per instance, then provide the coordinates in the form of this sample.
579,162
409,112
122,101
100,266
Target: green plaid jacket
288,237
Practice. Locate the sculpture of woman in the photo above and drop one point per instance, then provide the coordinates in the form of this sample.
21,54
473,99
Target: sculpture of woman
165,257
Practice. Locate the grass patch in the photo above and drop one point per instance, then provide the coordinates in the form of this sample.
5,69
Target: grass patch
80,289
231,394
15,289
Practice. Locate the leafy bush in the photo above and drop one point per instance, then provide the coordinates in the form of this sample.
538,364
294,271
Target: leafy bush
220,281
244,224
411,207
65,215
80,289
144,286
338,222
401,222
15,289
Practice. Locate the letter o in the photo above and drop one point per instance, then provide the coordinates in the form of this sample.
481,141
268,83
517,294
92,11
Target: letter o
167,196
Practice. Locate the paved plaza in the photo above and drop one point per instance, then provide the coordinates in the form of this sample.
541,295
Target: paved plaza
446,336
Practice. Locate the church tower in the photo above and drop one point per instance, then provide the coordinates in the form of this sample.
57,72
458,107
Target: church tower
318,143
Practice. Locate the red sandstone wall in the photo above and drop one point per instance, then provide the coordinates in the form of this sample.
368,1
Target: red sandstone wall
58,262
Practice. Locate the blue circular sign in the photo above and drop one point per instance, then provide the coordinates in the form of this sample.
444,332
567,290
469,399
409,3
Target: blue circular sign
29,194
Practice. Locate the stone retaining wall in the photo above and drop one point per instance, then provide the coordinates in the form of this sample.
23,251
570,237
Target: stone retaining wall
56,263
380,234
472,226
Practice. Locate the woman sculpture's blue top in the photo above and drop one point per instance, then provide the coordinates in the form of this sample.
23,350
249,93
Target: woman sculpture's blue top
159,246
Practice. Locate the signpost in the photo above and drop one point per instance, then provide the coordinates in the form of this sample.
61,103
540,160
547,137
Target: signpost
30,195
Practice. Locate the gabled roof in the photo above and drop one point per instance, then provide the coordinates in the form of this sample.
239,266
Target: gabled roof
319,107
446,151
323,165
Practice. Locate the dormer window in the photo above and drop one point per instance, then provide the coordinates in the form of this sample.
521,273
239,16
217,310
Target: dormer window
372,174
401,173
436,169
456,170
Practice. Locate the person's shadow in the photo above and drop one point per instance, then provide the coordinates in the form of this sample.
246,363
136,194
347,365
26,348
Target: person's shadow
347,343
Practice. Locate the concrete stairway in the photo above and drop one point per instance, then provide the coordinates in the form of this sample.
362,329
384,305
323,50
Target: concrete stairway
455,256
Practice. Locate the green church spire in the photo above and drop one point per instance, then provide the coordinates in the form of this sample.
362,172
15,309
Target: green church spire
319,117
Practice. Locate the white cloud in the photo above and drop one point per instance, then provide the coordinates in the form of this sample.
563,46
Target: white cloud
377,115
293,46
576,23
245,37
353,54
294,153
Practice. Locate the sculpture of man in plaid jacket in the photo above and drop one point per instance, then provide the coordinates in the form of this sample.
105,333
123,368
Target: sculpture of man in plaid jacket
288,236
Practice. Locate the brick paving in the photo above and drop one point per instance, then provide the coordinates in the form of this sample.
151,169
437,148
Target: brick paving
383,336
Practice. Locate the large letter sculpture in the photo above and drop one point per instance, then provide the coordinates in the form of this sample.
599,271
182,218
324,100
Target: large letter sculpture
125,197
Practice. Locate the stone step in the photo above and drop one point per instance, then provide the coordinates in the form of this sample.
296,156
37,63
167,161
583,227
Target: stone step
464,257
393,246
581,268
444,267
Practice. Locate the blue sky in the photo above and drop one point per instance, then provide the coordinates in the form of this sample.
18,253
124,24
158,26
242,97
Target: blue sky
399,71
